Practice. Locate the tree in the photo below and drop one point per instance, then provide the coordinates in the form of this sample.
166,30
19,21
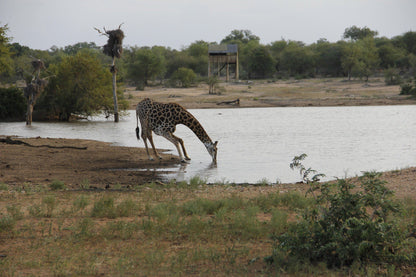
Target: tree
328,57
350,57
198,53
391,56
144,65
81,86
114,49
240,36
12,103
297,59
6,63
260,63
356,33
183,77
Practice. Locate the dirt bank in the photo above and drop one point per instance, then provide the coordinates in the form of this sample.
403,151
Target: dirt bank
78,163
102,165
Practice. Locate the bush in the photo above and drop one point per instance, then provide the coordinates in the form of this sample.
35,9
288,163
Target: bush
392,77
81,86
183,77
57,185
346,225
408,88
12,103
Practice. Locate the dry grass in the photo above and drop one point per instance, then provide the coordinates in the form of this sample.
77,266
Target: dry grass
157,229
162,230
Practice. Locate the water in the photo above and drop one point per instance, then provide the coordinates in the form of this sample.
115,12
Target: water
258,144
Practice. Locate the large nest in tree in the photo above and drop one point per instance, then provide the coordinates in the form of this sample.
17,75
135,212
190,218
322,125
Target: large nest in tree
38,65
114,47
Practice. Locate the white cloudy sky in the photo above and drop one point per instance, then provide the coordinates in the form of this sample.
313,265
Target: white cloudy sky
41,24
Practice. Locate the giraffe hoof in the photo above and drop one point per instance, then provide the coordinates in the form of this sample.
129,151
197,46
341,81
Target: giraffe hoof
184,161
187,159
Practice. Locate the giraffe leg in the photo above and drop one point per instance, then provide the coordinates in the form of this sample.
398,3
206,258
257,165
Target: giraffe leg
153,146
144,137
175,141
183,147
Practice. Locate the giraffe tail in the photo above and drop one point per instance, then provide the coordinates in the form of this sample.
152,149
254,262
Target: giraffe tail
138,132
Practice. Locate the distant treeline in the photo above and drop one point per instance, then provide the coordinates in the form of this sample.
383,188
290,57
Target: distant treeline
360,54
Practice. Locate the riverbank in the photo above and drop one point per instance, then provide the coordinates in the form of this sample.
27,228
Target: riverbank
281,93
86,164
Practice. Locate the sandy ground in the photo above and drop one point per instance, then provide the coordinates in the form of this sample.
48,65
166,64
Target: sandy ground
101,165
288,93
98,165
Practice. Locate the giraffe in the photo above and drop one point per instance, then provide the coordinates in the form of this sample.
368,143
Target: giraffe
162,120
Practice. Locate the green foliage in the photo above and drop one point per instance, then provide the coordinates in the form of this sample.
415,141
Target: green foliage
240,37
297,60
57,185
12,103
6,62
49,202
357,33
144,64
82,86
105,207
260,63
392,77
7,223
409,88
183,77
346,225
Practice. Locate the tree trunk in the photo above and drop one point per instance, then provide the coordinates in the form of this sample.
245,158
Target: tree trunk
29,111
114,71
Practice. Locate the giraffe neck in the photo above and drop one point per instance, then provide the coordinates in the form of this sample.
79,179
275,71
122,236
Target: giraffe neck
192,123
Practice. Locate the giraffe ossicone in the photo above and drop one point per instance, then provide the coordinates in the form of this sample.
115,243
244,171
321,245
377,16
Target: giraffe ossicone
162,119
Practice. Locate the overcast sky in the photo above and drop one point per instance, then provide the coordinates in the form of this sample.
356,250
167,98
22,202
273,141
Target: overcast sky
41,24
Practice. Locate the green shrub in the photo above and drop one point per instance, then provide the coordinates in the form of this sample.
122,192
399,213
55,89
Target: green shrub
104,207
345,226
12,103
392,77
183,77
408,88
57,185
6,223
49,203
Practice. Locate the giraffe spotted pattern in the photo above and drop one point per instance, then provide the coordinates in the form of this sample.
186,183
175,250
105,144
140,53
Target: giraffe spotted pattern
162,120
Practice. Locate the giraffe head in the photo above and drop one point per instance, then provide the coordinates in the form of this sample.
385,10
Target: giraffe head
212,150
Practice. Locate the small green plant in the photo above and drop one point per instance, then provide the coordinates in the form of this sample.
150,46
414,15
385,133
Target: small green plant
4,186
104,207
345,225
6,223
15,212
85,184
81,202
57,185
49,202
